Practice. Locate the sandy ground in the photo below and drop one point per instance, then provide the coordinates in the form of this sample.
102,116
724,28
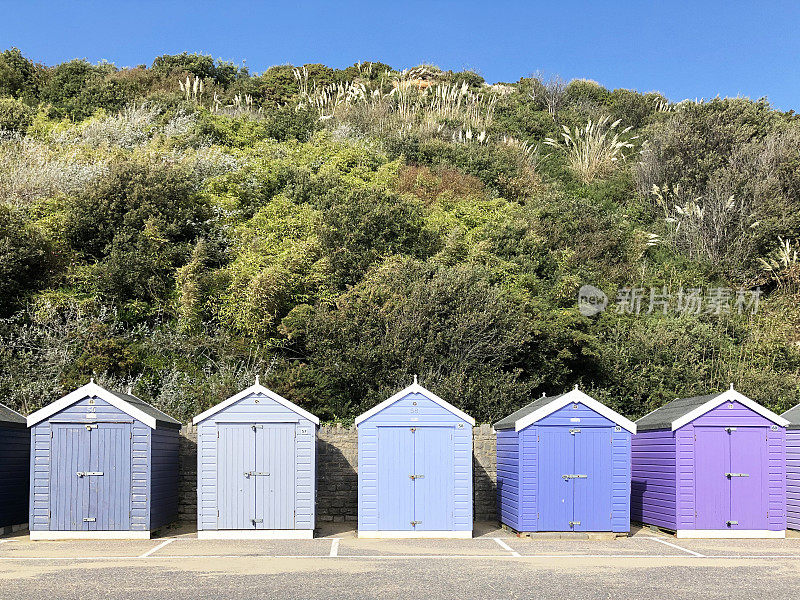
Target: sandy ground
495,564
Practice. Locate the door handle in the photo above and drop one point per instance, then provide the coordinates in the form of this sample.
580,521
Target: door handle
573,476
89,473
417,476
729,523
737,475
255,473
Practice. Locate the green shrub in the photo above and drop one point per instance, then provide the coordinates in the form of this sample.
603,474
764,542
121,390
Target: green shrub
15,115
17,74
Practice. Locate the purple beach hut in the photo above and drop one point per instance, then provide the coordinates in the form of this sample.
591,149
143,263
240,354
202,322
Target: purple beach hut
711,466
793,467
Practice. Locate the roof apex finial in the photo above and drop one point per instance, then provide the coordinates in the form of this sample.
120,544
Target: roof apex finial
258,379
130,389
544,394
731,387
576,387
91,380
415,379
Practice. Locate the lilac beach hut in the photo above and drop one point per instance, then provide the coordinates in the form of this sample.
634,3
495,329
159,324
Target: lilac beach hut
711,466
793,467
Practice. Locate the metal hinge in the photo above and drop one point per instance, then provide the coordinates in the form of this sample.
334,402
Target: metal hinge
573,476
417,476
574,431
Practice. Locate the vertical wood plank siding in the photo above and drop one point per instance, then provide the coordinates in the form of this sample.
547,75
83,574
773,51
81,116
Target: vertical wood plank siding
15,469
426,414
257,409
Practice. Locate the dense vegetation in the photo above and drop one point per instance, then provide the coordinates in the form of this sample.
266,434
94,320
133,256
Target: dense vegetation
183,227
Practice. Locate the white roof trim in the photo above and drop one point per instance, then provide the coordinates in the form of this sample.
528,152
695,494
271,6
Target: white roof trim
255,389
731,395
415,388
90,389
571,397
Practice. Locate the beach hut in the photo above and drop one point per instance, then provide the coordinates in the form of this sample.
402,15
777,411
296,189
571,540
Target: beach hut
793,467
15,464
256,468
105,465
711,466
563,464
414,467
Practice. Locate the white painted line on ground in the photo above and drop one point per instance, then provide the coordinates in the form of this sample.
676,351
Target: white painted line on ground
388,557
334,547
671,545
505,546
157,548
4,541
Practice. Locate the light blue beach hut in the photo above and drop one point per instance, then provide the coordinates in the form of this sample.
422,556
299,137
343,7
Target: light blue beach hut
256,468
415,467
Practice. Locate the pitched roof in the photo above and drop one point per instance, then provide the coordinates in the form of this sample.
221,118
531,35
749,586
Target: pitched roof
255,389
793,416
511,420
662,418
135,407
677,413
414,388
8,415
546,405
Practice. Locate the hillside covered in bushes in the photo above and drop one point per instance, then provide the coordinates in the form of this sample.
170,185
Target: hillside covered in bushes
183,226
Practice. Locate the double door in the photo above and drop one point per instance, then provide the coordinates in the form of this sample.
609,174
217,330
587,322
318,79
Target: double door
731,489
416,478
256,475
90,477
574,485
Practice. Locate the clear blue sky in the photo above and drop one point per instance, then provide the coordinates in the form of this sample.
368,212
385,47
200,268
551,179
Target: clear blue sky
683,49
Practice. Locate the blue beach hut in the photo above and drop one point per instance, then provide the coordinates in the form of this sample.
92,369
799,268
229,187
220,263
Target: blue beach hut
104,465
15,461
415,468
564,464
256,468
